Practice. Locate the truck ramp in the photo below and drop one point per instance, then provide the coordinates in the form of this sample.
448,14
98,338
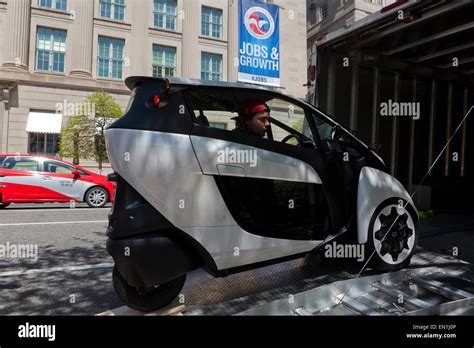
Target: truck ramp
425,291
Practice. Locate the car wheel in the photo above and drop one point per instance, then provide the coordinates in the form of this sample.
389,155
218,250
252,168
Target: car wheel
4,205
97,197
149,299
392,235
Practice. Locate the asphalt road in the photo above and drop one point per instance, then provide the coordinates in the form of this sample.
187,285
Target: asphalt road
53,284
72,273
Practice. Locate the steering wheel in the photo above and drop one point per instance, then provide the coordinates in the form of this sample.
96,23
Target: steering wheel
295,136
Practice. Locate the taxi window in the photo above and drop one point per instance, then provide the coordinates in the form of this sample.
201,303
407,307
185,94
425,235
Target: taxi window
20,163
57,167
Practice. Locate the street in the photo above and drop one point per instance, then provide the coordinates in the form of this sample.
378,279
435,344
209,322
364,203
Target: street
66,238
72,273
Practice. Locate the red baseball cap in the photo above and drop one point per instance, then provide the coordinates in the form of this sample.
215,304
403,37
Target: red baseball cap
251,107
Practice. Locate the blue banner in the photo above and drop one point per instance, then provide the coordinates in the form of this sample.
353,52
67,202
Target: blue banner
259,43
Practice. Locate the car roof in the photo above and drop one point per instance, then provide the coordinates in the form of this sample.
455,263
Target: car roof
178,83
44,157
30,155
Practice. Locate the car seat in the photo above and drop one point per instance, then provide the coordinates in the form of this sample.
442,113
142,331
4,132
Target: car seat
202,119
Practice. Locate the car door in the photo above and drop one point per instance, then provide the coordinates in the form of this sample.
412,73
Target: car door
272,187
21,178
59,181
345,157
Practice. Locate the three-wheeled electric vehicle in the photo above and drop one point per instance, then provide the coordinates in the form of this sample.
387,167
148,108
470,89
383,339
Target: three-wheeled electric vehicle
196,186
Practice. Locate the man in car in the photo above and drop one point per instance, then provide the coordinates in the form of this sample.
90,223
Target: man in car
257,117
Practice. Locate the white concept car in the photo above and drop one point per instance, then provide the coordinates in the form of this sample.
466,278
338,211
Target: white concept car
230,177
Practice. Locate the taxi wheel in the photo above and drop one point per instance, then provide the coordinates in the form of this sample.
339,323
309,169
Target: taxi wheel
97,197
149,299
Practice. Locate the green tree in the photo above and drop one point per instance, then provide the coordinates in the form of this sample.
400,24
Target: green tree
83,136
106,111
77,139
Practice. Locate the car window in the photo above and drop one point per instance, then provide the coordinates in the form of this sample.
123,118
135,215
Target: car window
324,127
325,130
57,167
7,162
290,115
351,146
343,143
220,109
213,108
30,164
285,118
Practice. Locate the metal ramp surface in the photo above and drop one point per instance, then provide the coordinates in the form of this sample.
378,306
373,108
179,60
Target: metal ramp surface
424,291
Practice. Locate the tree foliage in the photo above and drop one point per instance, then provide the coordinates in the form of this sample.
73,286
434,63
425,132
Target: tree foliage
83,137
106,112
77,139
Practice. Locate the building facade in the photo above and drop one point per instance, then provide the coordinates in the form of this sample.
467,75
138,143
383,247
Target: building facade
57,52
326,16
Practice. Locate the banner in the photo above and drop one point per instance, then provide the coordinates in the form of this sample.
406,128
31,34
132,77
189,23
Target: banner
259,43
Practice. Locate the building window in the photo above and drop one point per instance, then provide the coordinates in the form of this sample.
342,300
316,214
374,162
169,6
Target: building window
112,9
164,61
211,22
50,50
56,4
110,58
211,66
323,12
164,14
43,144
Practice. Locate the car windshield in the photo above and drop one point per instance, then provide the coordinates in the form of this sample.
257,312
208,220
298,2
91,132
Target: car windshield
20,163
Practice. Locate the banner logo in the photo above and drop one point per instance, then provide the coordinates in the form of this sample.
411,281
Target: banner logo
259,23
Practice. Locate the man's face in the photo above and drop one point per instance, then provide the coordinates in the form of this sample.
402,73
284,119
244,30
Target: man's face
259,123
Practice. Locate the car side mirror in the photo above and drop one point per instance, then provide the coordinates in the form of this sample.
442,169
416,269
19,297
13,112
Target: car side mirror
76,173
